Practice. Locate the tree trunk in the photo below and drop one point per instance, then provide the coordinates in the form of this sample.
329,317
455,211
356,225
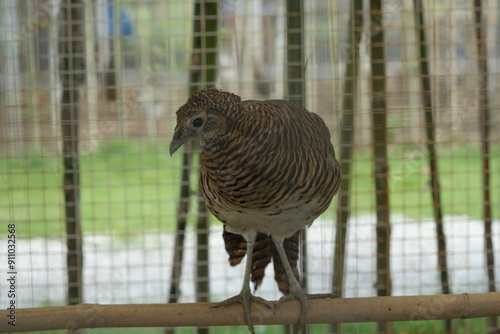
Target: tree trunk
180,233
205,49
114,75
54,79
33,135
91,77
431,139
295,83
414,133
12,118
347,138
295,53
72,68
346,146
147,99
380,159
484,130
203,73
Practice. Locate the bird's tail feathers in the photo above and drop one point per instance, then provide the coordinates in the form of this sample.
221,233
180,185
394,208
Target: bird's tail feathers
264,251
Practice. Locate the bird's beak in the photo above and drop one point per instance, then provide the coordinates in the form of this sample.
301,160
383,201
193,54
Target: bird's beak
177,141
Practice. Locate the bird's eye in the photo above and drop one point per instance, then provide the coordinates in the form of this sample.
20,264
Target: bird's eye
197,122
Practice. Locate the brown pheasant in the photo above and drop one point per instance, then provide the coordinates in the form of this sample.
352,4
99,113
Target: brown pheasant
268,170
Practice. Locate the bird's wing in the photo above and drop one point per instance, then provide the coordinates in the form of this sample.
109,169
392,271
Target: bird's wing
279,150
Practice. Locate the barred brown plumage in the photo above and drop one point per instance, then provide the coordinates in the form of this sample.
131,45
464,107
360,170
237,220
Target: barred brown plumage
268,170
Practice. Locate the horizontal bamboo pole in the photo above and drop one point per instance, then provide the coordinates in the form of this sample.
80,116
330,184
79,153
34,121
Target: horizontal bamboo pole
335,310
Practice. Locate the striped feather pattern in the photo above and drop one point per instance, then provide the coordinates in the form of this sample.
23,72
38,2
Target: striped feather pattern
277,157
267,166
236,246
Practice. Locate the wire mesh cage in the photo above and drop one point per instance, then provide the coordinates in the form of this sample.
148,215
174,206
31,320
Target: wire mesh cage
93,208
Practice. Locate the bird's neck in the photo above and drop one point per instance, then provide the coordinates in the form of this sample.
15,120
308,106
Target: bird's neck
215,145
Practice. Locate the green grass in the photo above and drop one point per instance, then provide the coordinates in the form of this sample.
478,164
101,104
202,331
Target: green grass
126,188
409,183
131,187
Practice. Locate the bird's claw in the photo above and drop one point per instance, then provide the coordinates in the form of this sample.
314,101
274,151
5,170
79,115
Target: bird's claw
245,299
297,294
302,298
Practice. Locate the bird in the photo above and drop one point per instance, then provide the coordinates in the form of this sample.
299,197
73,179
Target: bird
268,170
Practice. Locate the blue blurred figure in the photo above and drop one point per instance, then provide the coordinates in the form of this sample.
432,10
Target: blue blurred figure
126,25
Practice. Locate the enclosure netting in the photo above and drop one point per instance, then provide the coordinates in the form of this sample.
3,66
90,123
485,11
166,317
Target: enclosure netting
134,73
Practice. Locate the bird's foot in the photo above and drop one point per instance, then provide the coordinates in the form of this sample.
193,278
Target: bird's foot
245,298
302,297
298,294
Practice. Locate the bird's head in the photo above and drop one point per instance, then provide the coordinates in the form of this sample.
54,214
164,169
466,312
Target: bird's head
205,117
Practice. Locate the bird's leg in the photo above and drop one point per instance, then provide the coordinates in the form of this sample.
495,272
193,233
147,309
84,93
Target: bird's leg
296,291
245,296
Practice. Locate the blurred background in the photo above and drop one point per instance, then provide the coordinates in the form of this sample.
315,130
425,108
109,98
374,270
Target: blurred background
103,214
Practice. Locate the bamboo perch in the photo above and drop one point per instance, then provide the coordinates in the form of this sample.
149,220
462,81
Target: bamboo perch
336,310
